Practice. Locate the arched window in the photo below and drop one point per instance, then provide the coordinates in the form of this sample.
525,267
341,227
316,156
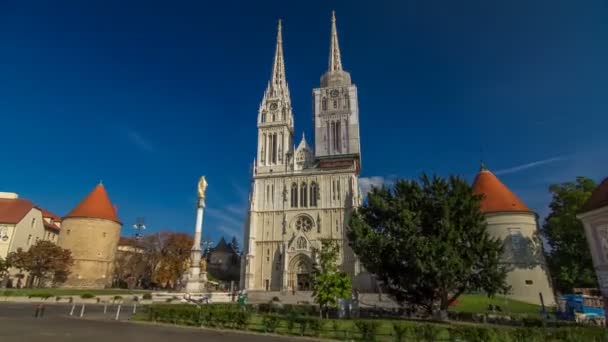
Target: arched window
338,135
335,104
324,103
333,136
263,151
263,116
301,243
314,193
294,195
303,195
338,186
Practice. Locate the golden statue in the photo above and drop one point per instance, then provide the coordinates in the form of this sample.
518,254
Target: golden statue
202,187
203,265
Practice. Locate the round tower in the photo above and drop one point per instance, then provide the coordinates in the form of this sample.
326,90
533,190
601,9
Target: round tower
91,231
510,220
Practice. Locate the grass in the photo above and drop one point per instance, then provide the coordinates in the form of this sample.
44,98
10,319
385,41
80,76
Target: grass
478,303
67,292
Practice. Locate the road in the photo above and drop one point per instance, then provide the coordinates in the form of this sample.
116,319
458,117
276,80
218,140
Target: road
17,323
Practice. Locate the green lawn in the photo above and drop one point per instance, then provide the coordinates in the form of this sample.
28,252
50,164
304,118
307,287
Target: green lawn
68,292
478,303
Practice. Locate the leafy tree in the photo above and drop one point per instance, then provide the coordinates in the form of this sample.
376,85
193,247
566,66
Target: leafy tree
167,257
44,260
569,258
130,265
427,242
4,266
329,284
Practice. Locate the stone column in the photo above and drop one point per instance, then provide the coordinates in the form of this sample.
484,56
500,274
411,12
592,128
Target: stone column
196,279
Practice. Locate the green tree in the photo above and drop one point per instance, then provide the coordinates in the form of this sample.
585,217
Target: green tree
329,284
569,258
4,266
427,242
44,260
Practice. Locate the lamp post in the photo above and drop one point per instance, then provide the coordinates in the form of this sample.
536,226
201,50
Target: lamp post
139,226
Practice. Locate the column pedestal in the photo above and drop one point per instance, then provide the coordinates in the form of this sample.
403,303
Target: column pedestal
196,281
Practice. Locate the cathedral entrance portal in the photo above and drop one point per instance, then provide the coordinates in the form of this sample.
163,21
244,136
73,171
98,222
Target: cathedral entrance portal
300,273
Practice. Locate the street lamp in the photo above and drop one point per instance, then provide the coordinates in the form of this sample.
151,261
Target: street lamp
139,226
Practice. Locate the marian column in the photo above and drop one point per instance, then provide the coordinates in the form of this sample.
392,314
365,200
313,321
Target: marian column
196,278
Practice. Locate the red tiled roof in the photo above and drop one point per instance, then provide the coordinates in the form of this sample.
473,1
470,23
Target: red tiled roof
46,213
96,205
598,199
496,196
13,210
51,225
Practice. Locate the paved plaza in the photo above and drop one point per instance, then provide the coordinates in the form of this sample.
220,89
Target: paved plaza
17,323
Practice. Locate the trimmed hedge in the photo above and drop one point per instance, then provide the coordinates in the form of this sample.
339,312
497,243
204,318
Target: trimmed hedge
231,316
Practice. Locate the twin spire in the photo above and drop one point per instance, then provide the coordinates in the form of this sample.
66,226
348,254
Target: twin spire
278,81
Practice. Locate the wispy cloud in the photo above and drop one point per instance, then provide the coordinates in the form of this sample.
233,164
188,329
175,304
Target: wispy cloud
530,165
227,219
366,183
138,140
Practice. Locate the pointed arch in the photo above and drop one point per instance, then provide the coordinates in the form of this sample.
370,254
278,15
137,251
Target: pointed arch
303,195
294,195
314,194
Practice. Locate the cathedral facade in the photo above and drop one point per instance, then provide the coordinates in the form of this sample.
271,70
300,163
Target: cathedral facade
302,195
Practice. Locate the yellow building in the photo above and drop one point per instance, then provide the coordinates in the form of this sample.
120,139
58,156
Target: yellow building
91,231
510,220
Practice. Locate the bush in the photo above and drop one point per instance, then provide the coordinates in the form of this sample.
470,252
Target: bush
315,325
135,299
87,296
117,298
402,331
367,329
271,322
275,299
41,295
8,293
58,298
147,296
426,332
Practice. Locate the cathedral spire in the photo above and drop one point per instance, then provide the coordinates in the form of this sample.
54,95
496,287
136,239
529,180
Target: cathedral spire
335,61
278,83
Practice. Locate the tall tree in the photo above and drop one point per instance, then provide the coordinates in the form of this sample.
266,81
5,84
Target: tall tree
569,258
329,284
168,255
44,261
4,266
427,242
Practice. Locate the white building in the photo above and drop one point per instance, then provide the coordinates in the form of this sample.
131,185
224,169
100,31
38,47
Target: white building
300,195
21,226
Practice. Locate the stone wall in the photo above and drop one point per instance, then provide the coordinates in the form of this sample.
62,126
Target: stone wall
93,244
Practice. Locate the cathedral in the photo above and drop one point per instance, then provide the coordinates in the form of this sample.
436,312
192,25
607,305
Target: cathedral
302,195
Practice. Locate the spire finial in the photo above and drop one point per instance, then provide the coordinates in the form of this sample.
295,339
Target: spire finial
278,82
335,61
482,166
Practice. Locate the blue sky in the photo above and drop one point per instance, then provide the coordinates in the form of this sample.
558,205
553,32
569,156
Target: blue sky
149,96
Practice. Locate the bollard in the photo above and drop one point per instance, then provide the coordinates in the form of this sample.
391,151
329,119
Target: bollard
105,307
72,311
117,312
82,310
134,308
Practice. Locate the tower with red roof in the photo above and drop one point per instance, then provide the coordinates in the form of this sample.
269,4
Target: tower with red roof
91,231
510,220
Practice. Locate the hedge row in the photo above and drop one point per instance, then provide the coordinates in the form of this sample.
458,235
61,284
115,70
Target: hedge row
232,317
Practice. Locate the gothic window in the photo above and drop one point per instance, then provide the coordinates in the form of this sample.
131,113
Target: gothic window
346,102
303,223
324,104
333,135
338,189
301,243
274,117
333,189
263,116
314,193
274,148
335,104
294,195
303,196
280,146
272,193
338,135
